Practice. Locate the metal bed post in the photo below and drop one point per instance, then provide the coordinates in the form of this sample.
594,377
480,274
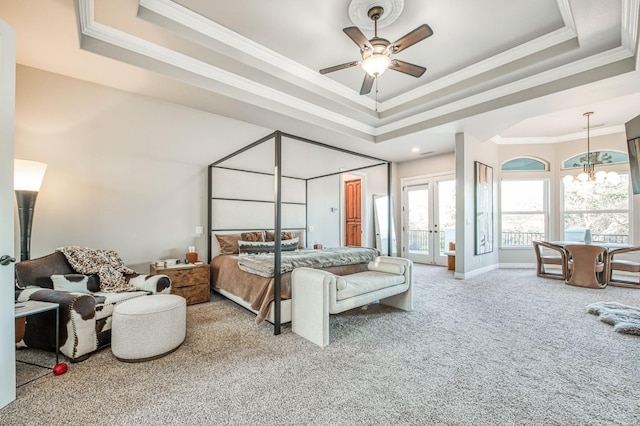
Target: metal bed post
277,238
390,231
209,219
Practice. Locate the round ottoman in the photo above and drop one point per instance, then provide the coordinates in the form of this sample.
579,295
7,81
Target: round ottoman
148,327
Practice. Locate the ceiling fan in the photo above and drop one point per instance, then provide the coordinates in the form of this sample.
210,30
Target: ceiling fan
376,53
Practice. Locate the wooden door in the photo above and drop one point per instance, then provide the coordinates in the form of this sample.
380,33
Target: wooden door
353,212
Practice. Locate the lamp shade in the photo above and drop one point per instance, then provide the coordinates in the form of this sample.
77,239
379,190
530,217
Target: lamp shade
28,175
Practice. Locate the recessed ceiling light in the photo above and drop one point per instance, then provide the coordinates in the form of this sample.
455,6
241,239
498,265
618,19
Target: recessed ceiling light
415,149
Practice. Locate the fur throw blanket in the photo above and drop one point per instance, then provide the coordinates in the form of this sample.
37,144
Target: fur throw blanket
105,263
623,318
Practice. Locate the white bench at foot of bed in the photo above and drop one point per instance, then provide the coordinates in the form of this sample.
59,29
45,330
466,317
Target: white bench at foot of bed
315,294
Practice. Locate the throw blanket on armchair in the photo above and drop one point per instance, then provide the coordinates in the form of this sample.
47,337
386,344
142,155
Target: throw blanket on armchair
105,263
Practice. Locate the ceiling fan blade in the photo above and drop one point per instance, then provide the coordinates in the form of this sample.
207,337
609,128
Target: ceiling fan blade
338,67
419,34
356,35
407,68
367,84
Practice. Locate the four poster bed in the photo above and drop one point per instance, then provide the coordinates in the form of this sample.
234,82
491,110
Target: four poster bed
261,198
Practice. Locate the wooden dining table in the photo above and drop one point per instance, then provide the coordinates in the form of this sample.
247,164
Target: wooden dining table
588,279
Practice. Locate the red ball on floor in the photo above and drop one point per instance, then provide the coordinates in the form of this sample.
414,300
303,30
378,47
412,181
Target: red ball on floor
59,369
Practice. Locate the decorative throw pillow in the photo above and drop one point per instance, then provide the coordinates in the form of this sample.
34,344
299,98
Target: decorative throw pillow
252,236
256,247
76,283
287,235
228,243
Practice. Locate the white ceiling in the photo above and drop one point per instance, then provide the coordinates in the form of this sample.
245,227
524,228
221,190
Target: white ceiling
508,70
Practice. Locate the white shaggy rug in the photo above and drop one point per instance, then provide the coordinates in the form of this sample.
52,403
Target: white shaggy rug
623,318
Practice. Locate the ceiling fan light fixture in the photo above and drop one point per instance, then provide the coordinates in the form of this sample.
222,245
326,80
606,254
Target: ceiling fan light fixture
376,64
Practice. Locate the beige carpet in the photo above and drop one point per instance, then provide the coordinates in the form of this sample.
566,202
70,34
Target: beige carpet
503,348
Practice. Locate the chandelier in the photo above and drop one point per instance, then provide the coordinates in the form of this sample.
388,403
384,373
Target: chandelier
589,173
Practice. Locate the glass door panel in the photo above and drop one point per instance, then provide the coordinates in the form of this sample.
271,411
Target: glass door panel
429,218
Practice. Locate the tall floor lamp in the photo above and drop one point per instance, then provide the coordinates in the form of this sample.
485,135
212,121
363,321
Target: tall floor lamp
26,183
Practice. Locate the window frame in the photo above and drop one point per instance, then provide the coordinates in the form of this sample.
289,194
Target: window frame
546,206
629,210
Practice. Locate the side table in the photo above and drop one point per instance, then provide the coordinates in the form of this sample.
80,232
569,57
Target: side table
190,281
33,307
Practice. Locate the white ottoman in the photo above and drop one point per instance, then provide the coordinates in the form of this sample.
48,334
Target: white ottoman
148,327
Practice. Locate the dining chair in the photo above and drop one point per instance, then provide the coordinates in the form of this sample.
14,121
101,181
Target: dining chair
586,265
558,258
623,265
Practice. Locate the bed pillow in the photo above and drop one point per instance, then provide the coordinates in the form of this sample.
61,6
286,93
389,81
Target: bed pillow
76,283
252,236
228,243
256,247
287,235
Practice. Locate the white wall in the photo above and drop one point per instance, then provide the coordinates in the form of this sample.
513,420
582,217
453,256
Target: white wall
125,172
375,184
469,150
323,195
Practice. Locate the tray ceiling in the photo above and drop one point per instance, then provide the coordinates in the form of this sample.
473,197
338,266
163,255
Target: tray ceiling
495,68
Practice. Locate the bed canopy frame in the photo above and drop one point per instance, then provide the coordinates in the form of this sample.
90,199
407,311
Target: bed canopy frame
227,164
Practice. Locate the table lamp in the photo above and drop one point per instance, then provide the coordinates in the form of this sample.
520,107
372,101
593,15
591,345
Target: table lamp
27,179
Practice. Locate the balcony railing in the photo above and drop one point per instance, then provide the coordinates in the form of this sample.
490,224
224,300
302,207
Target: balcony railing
525,238
520,238
419,239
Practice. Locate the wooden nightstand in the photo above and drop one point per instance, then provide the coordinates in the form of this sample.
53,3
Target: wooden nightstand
188,281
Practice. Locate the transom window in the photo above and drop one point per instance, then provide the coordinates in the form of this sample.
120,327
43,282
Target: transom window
596,157
524,164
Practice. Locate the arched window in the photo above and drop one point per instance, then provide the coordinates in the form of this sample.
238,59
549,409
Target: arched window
596,157
525,164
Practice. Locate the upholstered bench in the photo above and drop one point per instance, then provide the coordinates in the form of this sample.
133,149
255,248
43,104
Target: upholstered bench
315,294
147,328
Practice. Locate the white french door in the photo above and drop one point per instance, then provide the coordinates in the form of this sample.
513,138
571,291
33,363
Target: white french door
428,218
7,120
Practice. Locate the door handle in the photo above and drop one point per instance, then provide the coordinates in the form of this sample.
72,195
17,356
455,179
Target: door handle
6,259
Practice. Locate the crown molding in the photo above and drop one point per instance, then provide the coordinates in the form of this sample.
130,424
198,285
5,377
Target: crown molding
629,31
90,28
592,62
557,139
214,31
541,43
